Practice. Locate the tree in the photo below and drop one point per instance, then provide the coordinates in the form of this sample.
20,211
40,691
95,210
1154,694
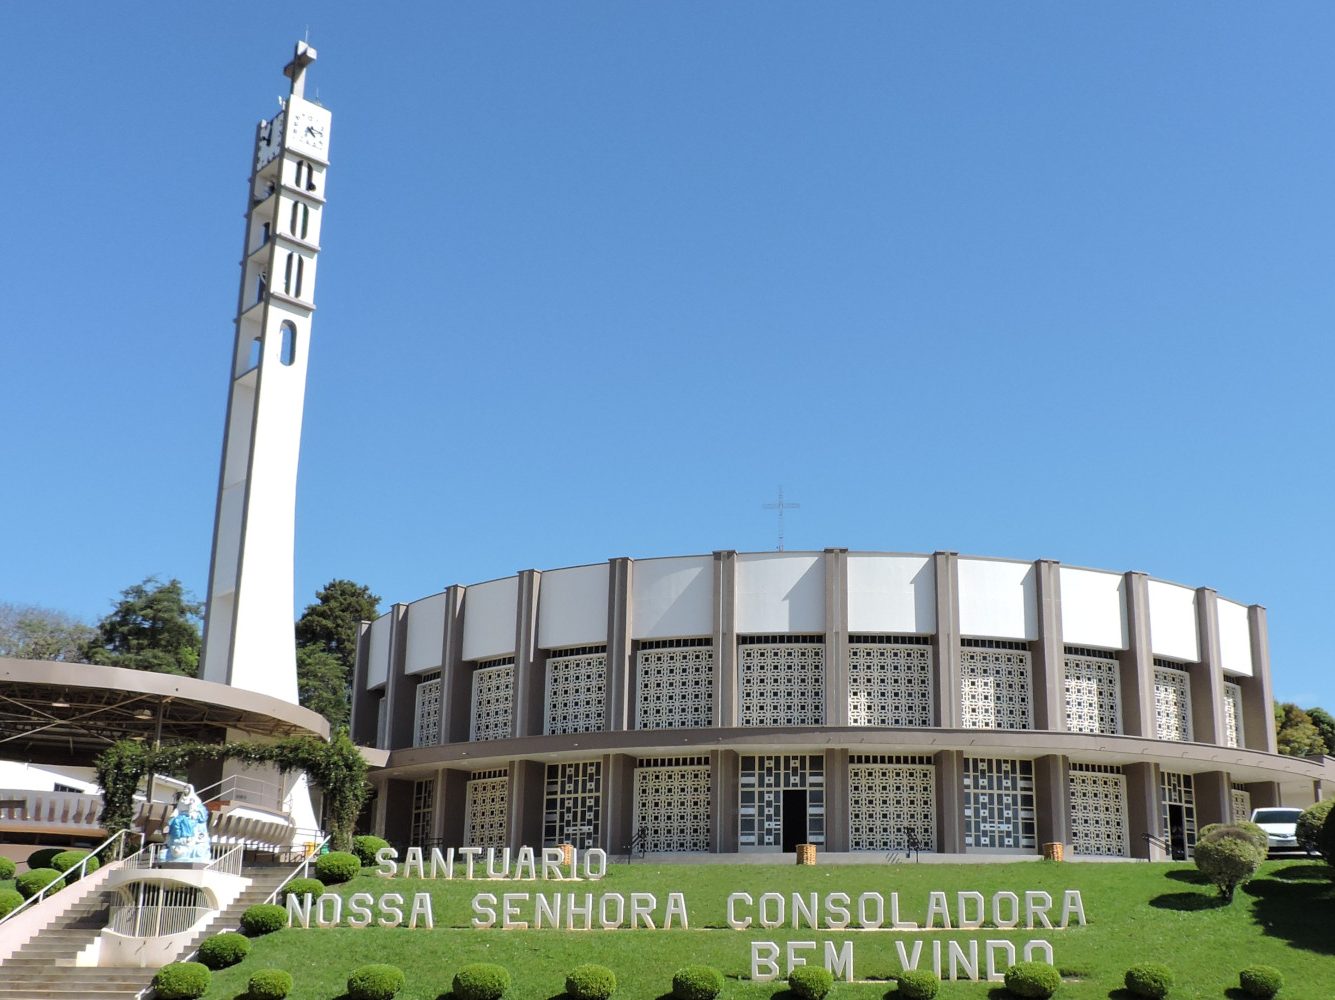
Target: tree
33,633
327,646
1295,733
1325,725
1228,857
154,626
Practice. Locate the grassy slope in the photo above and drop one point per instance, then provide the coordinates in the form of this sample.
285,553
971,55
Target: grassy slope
1136,912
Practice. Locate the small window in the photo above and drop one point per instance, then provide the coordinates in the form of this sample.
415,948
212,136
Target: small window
287,352
295,221
301,268
305,219
254,359
261,286
287,275
264,234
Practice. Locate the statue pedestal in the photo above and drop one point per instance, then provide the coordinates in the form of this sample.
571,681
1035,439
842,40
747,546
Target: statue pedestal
185,865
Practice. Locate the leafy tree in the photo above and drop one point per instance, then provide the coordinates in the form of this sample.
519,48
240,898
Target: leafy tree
33,633
1295,733
1228,856
154,626
1325,725
327,646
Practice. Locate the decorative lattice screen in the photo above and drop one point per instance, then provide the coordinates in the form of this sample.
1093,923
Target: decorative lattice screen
1093,689
672,811
675,684
486,808
890,681
999,803
573,804
493,695
1241,800
995,685
1098,811
891,798
783,681
1233,736
1172,704
576,691
424,801
426,718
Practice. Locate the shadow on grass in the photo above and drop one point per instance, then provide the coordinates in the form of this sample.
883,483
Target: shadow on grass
1187,901
1190,875
1122,994
1235,993
999,993
1284,910
1303,873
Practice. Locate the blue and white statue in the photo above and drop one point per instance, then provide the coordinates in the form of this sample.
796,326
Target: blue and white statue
188,829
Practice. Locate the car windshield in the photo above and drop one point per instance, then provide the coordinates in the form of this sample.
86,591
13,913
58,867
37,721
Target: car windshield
1277,815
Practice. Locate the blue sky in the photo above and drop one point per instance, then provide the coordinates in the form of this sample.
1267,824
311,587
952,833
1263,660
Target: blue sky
1039,280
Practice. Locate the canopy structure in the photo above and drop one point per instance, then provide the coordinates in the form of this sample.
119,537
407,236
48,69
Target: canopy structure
66,713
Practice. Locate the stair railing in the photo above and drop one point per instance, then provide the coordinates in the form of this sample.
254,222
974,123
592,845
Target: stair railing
110,850
229,861
300,871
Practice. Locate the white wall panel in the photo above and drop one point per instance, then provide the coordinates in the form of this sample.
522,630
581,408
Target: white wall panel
1093,608
1173,621
891,593
1235,638
490,610
781,592
672,597
572,606
998,600
377,669
426,633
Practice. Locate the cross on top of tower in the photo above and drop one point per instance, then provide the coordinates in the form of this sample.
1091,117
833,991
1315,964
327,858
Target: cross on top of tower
302,57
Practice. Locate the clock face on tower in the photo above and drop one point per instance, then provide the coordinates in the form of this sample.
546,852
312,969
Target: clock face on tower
271,141
309,130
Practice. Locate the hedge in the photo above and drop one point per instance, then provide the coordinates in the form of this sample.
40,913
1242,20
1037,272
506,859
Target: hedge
590,982
916,984
1309,825
481,981
810,982
42,858
10,900
1149,980
697,982
1228,860
181,981
375,982
66,860
269,984
1036,980
300,886
7,869
365,848
337,867
263,918
31,882
1261,981
222,950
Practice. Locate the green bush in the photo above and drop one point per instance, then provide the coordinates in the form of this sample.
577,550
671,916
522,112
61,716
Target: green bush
42,858
31,882
1239,830
590,982
263,918
1228,860
66,860
222,950
810,982
337,867
181,981
375,982
481,981
1325,838
1261,981
1036,980
697,982
1309,825
365,847
917,984
7,869
300,886
270,984
10,900
1149,980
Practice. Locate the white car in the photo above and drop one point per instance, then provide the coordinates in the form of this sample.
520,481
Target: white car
1280,825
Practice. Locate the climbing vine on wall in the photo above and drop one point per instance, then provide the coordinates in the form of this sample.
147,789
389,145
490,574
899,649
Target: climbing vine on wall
336,767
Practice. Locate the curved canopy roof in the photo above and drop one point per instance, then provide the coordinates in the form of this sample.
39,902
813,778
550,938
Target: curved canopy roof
66,713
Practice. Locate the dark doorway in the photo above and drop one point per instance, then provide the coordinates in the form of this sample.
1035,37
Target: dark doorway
794,818
1177,832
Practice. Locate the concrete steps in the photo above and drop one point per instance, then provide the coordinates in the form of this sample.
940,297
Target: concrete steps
40,971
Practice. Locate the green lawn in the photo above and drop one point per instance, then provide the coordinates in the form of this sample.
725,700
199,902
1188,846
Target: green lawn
1136,913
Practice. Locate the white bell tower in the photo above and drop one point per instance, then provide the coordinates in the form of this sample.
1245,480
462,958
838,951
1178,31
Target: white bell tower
248,627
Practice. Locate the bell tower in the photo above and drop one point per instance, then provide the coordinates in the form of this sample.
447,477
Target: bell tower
248,630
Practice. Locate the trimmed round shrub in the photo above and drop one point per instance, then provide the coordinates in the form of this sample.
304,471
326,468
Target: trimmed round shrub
7,869
1036,980
1228,861
697,982
1325,838
1239,829
300,886
1309,825
365,847
66,860
263,918
10,900
481,981
337,867
42,858
916,984
375,982
31,882
810,982
270,984
222,950
181,981
590,982
1149,980
1261,981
